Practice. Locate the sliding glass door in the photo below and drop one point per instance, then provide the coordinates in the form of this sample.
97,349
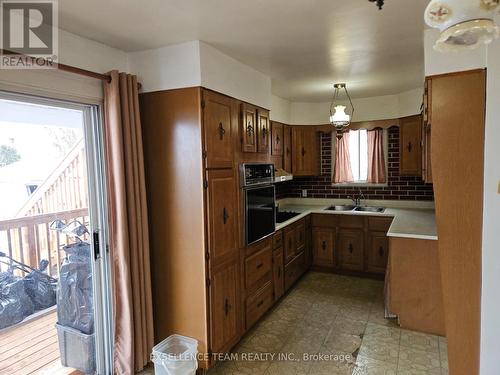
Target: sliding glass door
55,310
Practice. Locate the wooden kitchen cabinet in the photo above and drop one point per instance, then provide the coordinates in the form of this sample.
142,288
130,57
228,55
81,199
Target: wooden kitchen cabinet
323,246
289,243
259,268
351,249
276,138
219,129
224,307
278,274
222,214
410,147
426,132
287,148
305,151
263,131
248,128
378,252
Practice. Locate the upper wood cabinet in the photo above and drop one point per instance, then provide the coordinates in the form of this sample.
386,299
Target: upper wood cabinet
276,138
220,115
263,130
222,215
426,132
248,128
287,148
410,148
305,151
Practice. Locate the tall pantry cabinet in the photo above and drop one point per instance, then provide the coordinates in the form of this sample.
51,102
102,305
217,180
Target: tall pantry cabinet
190,136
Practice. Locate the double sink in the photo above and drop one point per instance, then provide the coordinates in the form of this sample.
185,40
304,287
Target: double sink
347,208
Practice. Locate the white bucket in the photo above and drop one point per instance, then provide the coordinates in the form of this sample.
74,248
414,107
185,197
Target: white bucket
176,355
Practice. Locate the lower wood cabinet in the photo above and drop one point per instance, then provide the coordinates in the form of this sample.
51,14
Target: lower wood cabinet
289,245
224,307
351,249
377,252
323,246
258,303
294,270
278,274
259,268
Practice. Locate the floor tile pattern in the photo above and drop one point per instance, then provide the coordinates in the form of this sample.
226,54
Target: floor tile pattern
331,324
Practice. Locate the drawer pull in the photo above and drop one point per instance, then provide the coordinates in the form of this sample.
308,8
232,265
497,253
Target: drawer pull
260,265
323,245
351,249
381,251
227,307
225,215
260,303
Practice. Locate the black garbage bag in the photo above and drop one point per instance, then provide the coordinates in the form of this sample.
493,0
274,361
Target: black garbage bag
41,289
15,304
74,290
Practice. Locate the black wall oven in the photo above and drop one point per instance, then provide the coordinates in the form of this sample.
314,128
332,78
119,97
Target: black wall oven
259,201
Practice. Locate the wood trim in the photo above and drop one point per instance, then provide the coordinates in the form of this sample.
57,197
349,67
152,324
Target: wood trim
454,74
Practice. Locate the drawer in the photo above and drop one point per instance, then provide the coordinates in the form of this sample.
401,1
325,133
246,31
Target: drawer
300,235
352,221
326,220
278,239
294,270
258,268
379,224
258,303
258,246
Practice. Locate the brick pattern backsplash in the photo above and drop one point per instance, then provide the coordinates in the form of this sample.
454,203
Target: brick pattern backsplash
399,187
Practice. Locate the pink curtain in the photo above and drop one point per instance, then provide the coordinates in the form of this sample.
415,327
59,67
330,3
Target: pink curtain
129,239
376,157
342,163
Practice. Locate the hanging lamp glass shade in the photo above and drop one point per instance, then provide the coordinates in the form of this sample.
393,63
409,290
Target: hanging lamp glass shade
339,119
464,24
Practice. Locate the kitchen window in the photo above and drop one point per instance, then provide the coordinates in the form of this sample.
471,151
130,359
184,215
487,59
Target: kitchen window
360,158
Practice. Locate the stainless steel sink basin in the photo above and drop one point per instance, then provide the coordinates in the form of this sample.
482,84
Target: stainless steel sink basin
341,208
370,209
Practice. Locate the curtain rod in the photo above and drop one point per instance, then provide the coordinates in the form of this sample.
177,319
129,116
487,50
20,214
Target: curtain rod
73,69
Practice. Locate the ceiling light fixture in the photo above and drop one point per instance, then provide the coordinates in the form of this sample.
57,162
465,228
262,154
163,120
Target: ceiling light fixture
379,3
338,117
464,24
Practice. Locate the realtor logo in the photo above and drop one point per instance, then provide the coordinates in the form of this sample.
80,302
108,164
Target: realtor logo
28,34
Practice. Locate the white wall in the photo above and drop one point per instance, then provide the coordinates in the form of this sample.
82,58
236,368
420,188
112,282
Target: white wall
222,73
170,67
375,108
490,304
280,109
439,63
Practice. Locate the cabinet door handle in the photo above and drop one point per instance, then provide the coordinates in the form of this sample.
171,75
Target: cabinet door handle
278,140
287,151
264,132
260,303
249,128
351,249
381,251
225,215
227,307
323,245
303,151
222,131
409,147
279,272
260,265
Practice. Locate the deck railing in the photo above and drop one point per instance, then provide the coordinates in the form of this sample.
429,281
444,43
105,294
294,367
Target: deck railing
29,239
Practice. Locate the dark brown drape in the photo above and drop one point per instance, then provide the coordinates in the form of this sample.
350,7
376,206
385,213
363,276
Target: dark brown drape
376,157
129,239
342,162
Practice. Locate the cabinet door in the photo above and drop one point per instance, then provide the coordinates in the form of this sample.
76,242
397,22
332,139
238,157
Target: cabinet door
222,214
351,249
248,128
300,235
305,152
276,138
263,131
323,246
278,271
290,244
410,146
219,116
224,307
426,133
378,252
308,248
287,148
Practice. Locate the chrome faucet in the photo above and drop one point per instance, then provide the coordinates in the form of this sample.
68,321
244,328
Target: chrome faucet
357,199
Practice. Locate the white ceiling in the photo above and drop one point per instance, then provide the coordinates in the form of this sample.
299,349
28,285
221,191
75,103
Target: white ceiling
304,45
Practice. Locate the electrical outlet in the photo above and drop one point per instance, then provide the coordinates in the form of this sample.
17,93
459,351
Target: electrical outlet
304,193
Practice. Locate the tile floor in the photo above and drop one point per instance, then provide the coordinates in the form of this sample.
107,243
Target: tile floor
331,324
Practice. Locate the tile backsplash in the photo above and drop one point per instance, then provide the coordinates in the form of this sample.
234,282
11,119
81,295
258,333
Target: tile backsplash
398,188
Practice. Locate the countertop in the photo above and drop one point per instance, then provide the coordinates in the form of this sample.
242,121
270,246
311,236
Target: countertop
411,219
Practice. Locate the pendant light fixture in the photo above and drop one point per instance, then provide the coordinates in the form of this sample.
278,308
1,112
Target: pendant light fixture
378,3
338,116
464,24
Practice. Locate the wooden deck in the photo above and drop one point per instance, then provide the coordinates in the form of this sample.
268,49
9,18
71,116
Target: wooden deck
32,348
